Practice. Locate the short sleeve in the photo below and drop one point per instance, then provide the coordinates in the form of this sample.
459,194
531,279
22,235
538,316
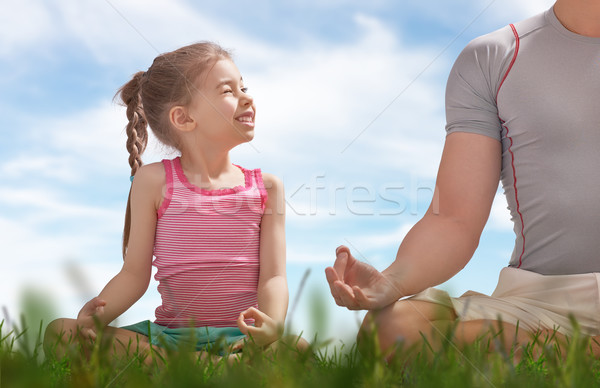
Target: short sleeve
473,84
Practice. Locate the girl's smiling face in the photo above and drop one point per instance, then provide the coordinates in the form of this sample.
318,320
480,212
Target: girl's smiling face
220,106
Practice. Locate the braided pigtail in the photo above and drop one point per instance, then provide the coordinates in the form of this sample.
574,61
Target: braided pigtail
137,128
137,137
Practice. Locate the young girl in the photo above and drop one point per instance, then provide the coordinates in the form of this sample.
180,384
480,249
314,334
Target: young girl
215,229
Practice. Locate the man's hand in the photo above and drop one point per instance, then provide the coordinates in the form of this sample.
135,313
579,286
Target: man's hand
357,285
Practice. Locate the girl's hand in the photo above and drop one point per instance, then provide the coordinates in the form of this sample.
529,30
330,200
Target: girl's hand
265,330
357,285
85,319
237,345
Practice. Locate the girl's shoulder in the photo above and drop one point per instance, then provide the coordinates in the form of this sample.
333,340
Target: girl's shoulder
274,195
148,184
150,177
271,181
274,192
153,173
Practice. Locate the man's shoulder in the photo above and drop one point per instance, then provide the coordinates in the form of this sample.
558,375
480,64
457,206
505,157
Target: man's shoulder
503,39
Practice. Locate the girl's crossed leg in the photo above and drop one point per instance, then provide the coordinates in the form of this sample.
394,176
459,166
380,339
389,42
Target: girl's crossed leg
63,335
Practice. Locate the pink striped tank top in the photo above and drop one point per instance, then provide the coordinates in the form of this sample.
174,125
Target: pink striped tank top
207,250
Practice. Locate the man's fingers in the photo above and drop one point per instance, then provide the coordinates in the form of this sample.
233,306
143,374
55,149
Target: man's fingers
342,254
345,295
332,278
361,299
341,248
331,275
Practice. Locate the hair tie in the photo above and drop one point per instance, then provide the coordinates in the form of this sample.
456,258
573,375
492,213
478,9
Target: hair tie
131,179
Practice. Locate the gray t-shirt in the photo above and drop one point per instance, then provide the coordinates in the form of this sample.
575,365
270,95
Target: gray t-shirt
535,87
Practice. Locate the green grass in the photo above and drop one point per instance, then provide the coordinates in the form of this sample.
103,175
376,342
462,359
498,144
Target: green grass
22,364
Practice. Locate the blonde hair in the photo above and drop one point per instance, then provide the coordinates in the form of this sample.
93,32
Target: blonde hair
150,95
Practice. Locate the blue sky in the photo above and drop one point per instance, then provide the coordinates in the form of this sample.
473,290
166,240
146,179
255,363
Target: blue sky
350,115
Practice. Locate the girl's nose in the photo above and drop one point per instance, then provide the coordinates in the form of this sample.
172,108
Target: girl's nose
246,99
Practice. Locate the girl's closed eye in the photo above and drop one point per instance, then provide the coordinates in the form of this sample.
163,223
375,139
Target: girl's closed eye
243,90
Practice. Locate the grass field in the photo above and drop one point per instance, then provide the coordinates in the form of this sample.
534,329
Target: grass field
23,364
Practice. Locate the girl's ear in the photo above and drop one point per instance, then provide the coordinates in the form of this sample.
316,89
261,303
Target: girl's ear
179,118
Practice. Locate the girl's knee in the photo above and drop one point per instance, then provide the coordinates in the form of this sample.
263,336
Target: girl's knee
60,330
58,334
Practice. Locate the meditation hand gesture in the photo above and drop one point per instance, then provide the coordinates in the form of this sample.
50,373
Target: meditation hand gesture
85,318
357,285
265,330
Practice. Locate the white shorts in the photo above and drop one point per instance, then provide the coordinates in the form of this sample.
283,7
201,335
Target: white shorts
534,301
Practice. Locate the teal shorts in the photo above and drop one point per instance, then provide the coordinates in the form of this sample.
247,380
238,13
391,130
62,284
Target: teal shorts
190,338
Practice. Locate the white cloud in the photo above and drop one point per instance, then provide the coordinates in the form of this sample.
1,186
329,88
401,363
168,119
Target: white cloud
54,277
492,14
310,258
334,92
520,9
40,229
121,31
33,257
49,166
24,24
52,228
419,157
500,215
343,109
83,145
36,200
393,238
94,136
112,32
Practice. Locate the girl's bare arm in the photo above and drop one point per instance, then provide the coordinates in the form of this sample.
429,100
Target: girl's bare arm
122,291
